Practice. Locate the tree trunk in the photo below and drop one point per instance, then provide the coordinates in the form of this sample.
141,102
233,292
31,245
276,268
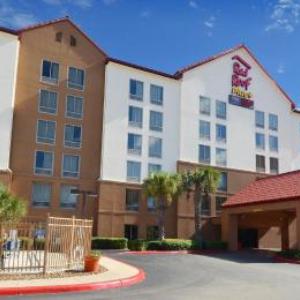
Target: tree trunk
198,199
161,220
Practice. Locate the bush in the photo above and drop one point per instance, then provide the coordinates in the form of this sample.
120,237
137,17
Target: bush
292,253
137,245
109,243
39,244
25,243
215,245
170,244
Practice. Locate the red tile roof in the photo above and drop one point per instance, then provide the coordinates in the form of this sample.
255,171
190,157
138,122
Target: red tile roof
283,187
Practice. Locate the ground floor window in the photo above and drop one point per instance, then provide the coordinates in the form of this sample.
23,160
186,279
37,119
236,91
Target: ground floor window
68,200
131,231
274,165
41,194
219,201
151,204
152,232
205,209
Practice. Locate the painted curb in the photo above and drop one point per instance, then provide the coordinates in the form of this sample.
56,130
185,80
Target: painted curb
281,259
154,252
83,287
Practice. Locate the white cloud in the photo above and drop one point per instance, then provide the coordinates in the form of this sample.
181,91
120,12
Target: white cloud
210,22
145,14
285,15
79,3
193,4
281,68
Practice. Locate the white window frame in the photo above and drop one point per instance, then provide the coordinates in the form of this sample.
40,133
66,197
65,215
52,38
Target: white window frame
39,102
218,162
51,193
84,79
134,151
36,134
205,137
133,179
41,73
149,152
73,186
156,128
52,166
133,97
221,117
62,166
132,123
202,112
163,92
81,136
66,107
218,139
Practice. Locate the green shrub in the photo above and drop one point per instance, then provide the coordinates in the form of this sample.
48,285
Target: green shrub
109,243
137,245
39,244
292,253
170,244
25,243
215,245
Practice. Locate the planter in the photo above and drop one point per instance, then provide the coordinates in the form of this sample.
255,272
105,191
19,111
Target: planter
91,263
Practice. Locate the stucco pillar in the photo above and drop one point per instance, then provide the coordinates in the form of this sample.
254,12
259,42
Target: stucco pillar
230,230
298,227
285,241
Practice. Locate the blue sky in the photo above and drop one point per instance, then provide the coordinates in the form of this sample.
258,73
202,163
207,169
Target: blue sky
169,34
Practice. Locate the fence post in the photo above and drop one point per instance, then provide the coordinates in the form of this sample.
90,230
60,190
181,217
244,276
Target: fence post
46,247
71,242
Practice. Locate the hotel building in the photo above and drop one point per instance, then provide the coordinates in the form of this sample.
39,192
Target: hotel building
71,117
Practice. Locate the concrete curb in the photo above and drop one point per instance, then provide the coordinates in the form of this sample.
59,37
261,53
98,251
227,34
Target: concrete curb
281,259
82,287
154,252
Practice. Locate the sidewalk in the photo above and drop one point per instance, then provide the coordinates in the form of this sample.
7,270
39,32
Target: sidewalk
118,274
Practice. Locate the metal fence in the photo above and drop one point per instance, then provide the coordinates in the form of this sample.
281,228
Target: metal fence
53,245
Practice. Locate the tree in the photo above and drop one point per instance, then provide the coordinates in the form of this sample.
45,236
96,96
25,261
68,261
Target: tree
201,182
12,208
163,188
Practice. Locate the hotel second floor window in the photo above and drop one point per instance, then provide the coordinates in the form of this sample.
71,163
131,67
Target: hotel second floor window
131,232
204,154
152,232
153,168
273,122
223,182
156,120
220,110
273,143
259,119
219,202
221,133
151,204
50,71
135,116
204,105
73,136
74,107
43,163
260,141
260,163
136,89
41,194
156,94
46,132
155,147
48,102
221,157
132,199
134,171
134,144
205,209
274,165
71,165
204,130
68,200
76,78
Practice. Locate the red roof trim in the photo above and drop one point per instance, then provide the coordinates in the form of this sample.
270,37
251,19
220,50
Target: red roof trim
131,65
64,19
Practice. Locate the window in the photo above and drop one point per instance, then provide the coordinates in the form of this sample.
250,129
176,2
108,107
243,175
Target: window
274,165
73,41
67,199
46,132
260,163
43,163
260,141
136,89
259,119
48,102
153,168
204,105
41,194
205,209
221,157
155,147
220,110
156,94
273,143
58,36
134,143
50,71
73,136
204,154
74,107
131,231
152,233
219,202
76,78
204,130
135,116
132,199
133,171
273,122
151,204
156,121
223,182
71,166
221,133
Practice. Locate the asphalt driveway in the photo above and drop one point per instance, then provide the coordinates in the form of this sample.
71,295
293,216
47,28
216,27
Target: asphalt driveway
229,276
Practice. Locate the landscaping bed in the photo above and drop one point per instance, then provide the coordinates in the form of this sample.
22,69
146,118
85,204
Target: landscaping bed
288,256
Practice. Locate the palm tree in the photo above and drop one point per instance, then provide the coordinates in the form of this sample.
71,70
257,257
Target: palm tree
163,188
12,208
201,182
